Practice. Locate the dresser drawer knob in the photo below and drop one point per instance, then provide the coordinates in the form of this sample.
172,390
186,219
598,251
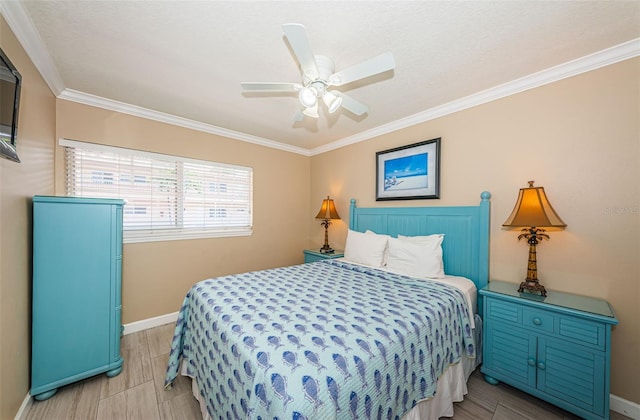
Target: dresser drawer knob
531,361
541,366
537,321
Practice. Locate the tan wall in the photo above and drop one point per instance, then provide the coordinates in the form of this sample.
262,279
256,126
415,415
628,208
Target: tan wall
580,139
156,276
19,182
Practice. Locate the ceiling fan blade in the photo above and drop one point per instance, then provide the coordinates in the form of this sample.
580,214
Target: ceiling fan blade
298,116
299,42
351,104
270,87
373,66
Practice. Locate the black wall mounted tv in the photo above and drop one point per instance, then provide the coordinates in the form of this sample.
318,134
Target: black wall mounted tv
10,81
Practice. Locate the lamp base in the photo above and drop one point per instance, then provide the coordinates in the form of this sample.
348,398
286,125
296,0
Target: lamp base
532,286
327,250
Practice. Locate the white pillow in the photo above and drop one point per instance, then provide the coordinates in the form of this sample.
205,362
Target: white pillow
435,239
415,259
370,232
365,248
384,259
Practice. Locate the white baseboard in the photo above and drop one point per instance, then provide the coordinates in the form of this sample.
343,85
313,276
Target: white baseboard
22,411
624,407
145,324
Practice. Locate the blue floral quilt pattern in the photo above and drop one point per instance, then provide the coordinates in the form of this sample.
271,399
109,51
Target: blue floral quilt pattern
325,340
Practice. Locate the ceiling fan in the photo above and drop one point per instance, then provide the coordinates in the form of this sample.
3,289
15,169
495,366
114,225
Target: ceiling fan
319,76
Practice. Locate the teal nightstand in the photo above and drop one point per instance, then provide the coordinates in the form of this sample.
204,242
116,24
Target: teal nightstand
557,348
313,256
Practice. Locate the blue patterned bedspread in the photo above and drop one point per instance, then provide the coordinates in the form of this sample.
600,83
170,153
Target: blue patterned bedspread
324,340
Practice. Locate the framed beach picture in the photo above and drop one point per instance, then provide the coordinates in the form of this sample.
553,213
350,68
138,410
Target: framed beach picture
409,172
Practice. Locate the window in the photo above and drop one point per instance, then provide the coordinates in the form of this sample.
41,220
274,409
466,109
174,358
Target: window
168,197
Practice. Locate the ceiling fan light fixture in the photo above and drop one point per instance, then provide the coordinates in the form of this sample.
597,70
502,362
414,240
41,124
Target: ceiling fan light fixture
311,111
332,101
308,96
318,74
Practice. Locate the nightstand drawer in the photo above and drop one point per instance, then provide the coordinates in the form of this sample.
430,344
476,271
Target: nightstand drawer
517,314
313,256
538,320
576,329
583,331
504,311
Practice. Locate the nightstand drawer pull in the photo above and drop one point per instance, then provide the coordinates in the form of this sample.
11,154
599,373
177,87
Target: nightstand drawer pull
531,361
538,320
541,366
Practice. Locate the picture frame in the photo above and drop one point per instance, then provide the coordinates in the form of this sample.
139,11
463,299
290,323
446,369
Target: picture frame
409,172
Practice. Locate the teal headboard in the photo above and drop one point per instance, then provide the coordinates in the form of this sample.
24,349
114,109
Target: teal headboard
466,228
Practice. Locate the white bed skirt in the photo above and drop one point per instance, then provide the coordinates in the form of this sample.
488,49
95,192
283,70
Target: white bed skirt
452,386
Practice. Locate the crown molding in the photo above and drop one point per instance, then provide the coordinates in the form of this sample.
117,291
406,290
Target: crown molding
29,38
575,67
124,108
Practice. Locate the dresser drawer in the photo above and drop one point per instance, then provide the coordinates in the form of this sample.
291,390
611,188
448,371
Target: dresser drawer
566,326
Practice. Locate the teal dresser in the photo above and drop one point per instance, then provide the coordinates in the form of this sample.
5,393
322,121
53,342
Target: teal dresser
77,276
557,348
313,256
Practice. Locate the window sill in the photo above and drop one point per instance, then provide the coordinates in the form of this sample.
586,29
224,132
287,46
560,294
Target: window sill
136,236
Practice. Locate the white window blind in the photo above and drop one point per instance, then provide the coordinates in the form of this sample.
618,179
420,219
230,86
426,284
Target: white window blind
168,197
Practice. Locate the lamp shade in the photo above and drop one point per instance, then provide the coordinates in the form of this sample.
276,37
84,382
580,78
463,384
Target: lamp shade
533,209
332,102
327,210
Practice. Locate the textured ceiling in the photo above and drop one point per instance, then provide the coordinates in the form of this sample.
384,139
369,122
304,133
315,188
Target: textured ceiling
187,58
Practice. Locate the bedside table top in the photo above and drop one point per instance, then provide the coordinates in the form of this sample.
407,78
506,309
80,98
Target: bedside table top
334,254
565,300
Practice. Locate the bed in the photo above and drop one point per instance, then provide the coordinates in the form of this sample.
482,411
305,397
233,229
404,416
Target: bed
371,335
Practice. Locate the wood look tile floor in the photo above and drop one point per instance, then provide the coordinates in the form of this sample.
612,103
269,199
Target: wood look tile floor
138,392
